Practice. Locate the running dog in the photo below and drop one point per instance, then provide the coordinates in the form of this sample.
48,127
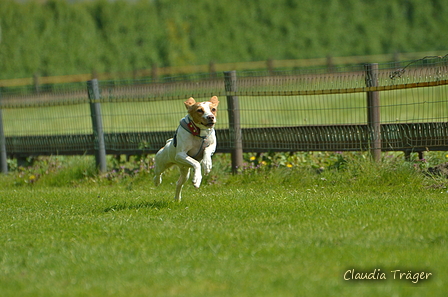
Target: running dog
193,145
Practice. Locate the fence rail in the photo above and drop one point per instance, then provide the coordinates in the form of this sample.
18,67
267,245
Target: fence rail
212,68
381,107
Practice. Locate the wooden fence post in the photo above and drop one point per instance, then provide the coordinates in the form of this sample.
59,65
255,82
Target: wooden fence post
373,111
234,121
212,69
330,64
3,157
270,66
36,83
97,124
154,72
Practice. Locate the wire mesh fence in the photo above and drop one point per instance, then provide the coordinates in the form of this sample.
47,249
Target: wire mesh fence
311,109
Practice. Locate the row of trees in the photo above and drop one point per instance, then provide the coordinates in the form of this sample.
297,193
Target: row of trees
58,37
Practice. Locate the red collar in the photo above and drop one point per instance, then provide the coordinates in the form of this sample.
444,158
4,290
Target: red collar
194,129
190,127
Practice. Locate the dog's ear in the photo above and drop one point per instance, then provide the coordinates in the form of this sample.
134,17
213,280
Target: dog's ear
214,100
189,102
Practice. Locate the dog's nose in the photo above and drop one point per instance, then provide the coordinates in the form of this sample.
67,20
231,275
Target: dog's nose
211,117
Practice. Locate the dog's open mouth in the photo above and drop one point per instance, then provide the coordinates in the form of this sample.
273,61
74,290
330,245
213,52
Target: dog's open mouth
210,125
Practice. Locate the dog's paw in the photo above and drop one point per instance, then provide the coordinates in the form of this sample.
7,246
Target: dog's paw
197,178
207,166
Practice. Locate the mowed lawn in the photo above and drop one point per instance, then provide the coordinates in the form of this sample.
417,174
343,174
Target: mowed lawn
282,233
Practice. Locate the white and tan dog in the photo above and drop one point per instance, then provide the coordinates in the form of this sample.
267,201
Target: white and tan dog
193,144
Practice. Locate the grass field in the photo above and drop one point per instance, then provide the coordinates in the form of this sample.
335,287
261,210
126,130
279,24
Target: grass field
279,228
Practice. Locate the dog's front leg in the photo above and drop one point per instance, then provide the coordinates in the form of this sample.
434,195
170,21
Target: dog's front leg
185,160
207,163
207,159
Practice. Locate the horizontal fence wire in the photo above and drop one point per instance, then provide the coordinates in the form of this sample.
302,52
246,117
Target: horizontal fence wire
54,119
280,110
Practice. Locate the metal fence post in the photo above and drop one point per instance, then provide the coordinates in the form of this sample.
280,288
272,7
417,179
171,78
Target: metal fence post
3,157
97,124
233,107
373,111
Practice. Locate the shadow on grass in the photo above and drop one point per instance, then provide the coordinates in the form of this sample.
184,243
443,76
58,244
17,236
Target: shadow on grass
130,206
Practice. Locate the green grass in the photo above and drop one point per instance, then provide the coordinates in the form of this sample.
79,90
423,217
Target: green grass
283,231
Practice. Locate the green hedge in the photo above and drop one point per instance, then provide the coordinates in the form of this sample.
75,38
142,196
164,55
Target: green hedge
58,37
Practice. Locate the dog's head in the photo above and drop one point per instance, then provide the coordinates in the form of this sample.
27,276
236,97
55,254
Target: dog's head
203,113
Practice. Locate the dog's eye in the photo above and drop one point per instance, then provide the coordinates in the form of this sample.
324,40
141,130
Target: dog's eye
200,111
213,109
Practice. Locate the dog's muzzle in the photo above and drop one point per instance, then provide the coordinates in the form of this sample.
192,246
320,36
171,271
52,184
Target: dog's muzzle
209,121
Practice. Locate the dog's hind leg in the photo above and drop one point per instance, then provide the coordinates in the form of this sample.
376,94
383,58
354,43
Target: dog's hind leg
157,179
184,175
158,175
159,168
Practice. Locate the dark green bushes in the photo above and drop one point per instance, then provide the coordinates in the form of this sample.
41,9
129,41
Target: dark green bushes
58,37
